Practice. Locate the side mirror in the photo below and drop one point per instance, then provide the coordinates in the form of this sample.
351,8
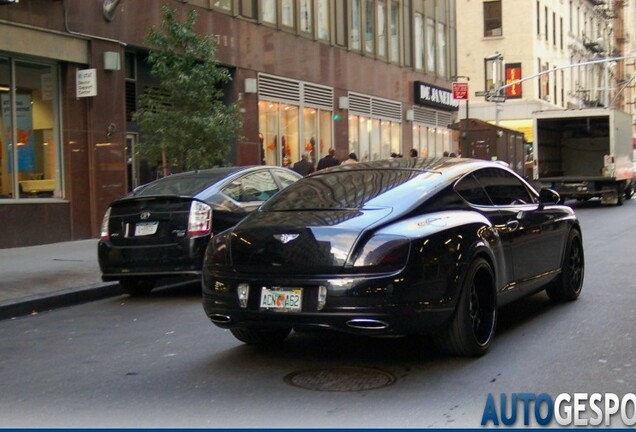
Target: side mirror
549,196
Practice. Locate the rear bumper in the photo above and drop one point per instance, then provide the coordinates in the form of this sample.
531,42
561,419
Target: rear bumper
175,259
379,306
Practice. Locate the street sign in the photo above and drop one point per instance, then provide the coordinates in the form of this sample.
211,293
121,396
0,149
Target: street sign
496,98
481,93
460,91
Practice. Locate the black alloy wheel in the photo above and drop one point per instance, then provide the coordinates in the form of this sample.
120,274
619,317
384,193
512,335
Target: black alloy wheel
472,328
569,284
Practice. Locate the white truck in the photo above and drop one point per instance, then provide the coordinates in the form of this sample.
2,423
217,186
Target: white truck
584,153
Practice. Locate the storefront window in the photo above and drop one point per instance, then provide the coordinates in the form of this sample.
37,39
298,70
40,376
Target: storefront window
373,139
280,132
310,132
324,134
289,134
354,136
30,168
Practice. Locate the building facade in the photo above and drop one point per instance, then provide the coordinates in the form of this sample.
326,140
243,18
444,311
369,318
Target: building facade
369,76
539,41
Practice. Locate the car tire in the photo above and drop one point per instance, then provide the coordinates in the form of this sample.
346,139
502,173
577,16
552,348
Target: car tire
472,328
568,285
262,337
137,287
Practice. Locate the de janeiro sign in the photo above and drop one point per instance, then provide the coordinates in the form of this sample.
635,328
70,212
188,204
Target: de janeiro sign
430,95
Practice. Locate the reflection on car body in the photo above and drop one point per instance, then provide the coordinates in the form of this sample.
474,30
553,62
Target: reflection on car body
390,248
161,229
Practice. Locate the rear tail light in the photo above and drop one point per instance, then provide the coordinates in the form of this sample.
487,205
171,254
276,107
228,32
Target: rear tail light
104,234
200,219
383,253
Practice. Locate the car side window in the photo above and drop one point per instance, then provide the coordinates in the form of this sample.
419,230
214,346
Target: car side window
472,191
503,187
258,186
286,177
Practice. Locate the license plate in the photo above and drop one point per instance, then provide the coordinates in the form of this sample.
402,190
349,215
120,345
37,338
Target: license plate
146,228
281,300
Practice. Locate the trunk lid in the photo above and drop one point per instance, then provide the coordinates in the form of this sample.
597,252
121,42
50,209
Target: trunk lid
149,220
300,242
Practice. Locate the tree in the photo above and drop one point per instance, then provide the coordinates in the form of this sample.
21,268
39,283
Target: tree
184,119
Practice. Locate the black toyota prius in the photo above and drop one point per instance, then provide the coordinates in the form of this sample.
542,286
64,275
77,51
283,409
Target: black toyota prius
161,229
393,247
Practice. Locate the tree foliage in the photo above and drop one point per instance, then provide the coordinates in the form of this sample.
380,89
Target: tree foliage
184,118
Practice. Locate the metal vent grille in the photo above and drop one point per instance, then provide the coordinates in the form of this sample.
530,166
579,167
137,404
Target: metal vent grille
359,104
275,88
444,119
425,116
318,96
386,109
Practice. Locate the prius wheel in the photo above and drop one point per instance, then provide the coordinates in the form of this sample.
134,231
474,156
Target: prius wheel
261,337
568,285
471,331
137,287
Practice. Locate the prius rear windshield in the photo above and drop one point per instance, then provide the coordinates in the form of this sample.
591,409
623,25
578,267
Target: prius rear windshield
186,185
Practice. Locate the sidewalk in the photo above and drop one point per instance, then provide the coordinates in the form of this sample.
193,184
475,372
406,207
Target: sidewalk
39,278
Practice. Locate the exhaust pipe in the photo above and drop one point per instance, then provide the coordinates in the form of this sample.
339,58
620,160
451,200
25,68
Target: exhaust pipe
220,319
367,324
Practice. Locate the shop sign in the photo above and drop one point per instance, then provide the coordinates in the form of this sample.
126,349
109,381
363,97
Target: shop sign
430,95
86,83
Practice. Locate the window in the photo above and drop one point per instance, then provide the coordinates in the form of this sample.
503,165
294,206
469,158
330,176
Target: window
268,11
306,17
225,5
248,8
341,26
355,25
287,13
471,191
545,24
441,49
258,186
431,47
29,139
419,41
538,19
394,41
323,19
368,27
503,188
561,33
492,19
381,28
554,26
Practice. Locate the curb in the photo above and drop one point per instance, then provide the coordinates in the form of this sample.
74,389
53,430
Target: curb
69,297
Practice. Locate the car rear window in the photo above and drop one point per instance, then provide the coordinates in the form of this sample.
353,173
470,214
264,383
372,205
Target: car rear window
352,189
188,185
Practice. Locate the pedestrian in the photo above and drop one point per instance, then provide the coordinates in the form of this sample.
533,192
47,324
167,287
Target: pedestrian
328,161
353,158
445,154
303,166
286,162
413,153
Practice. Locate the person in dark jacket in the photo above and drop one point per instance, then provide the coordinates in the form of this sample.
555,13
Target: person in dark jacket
303,166
328,161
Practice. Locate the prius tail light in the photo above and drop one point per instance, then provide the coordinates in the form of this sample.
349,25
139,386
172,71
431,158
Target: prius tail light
200,219
105,221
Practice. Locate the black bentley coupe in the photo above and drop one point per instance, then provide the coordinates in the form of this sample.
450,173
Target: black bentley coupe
394,247
161,229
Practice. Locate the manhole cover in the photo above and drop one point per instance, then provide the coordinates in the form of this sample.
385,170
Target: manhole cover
341,379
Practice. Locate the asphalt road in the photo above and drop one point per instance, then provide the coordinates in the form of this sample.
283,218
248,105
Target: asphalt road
158,362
